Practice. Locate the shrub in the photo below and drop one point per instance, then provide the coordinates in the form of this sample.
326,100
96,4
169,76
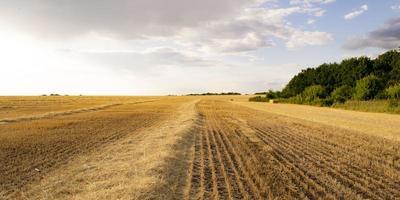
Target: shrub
296,99
273,95
393,92
313,93
342,94
259,99
393,103
367,88
327,102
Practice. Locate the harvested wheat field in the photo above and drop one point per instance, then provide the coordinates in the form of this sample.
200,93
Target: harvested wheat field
193,148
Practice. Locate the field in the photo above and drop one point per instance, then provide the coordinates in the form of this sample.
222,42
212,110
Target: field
218,147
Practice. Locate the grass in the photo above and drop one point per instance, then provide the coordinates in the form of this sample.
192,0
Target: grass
380,106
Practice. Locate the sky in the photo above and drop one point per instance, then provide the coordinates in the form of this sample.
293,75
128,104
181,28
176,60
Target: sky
160,47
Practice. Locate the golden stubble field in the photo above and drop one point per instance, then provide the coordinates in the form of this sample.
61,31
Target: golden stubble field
193,148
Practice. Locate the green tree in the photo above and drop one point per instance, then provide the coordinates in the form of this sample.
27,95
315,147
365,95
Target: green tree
354,69
333,75
393,92
342,94
272,94
385,63
367,88
313,93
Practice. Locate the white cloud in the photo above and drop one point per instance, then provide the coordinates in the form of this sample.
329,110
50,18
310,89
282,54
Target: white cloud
320,13
356,13
300,39
395,7
311,21
253,29
250,42
310,3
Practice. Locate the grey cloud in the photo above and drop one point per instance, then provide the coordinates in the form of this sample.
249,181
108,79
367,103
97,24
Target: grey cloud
386,37
119,18
221,26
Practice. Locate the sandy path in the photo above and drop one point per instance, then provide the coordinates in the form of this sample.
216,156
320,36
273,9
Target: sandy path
133,168
377,124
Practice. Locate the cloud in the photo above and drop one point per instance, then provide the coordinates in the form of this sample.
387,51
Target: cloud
395,7
253,29
215,26
300,39
310,3
320,13
151,59
250,42
356,13
386,37
311,21
117,18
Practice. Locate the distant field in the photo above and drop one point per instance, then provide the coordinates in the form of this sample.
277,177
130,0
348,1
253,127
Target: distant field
375,124
207,147
16,107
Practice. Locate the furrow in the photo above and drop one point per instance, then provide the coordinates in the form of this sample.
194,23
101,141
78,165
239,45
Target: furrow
304,147
222,167
233,160
214,180
292,157
245,154
250,189
351,170
206,184
370,155
236,184
194,176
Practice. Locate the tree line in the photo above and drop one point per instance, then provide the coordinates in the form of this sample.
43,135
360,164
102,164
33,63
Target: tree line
359,78
215,94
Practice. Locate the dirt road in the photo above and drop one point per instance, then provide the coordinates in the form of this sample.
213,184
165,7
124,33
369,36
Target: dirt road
194,148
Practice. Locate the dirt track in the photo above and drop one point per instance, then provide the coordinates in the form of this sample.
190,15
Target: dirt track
191,148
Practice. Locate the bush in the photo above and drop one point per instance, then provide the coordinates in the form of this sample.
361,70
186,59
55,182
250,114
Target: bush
259,99
393,103
367,88
342,94
273,95
327,102
313,93
393,92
